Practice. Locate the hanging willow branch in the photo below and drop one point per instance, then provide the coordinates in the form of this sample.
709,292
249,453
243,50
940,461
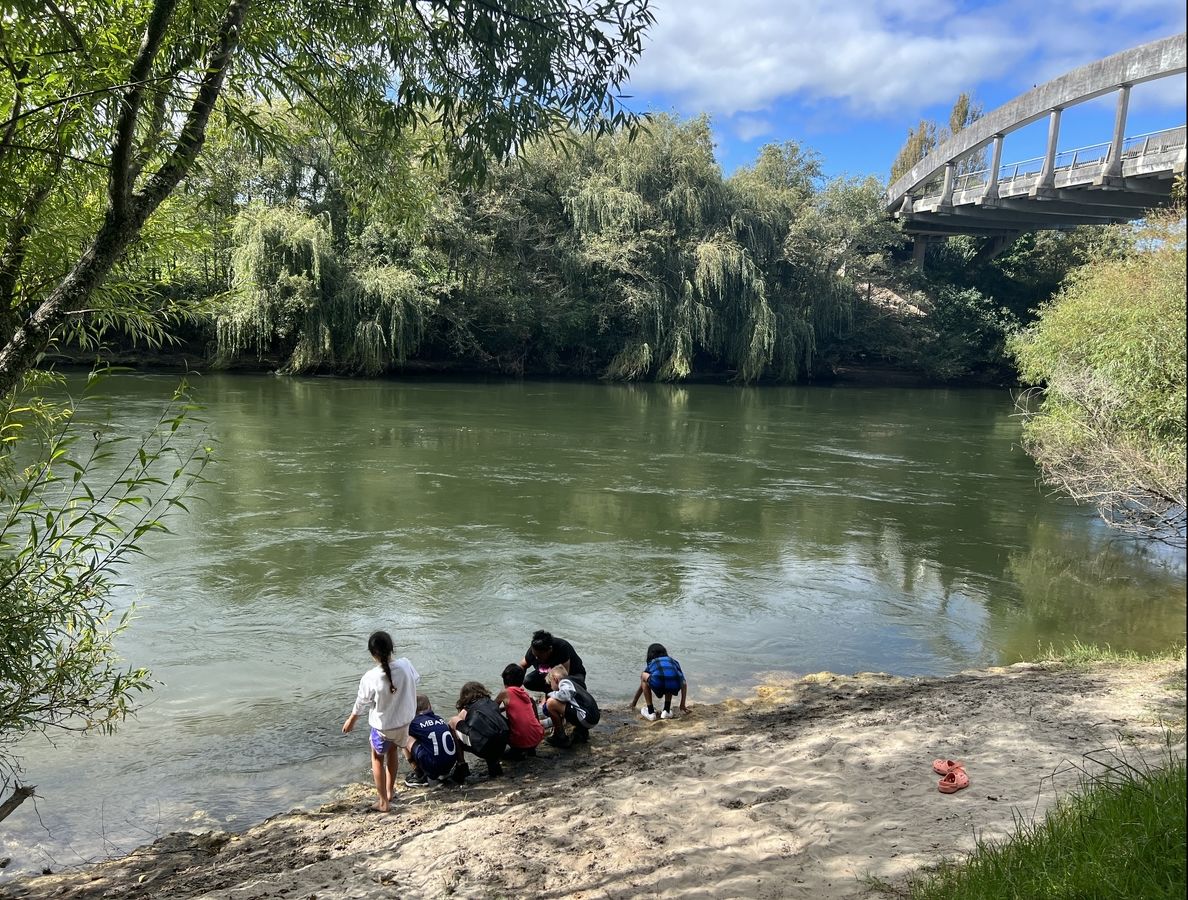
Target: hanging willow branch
294,297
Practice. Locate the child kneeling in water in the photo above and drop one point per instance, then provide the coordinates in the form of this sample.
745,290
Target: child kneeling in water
431,748
662,677
480,728
569,701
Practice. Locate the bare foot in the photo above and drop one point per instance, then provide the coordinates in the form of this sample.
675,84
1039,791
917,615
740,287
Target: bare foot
379,807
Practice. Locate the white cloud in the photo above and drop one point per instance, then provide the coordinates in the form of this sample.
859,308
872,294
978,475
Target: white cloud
875,56
747,128
1166,93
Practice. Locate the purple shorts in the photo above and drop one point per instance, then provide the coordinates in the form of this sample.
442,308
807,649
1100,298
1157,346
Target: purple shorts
381,742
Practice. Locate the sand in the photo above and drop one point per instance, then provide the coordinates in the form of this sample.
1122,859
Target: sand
818,788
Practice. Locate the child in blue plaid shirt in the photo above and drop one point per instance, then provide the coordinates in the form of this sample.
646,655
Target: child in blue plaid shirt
662,677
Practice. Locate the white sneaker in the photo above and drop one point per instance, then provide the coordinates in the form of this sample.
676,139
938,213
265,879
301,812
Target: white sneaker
666,714
650,716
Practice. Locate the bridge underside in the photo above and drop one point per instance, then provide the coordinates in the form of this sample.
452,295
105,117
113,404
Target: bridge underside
1085,197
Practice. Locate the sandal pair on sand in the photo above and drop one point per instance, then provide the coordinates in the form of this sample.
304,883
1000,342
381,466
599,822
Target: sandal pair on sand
954,776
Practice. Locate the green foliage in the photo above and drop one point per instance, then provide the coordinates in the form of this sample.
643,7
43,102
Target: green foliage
927,136
105,107
963,334
1029,272
1110,353
973,304
1121,835
626,256
62,540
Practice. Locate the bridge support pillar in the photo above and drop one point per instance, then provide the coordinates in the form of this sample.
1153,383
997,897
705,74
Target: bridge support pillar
919,248
991,192
947,191
992,247
1113,166
1047,178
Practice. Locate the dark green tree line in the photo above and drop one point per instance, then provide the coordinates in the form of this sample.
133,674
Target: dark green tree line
105,108
623,256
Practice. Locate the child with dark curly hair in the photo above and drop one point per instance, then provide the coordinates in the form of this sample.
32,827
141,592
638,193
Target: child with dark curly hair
479,728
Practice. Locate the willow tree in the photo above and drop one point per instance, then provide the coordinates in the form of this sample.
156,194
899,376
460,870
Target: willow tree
656,215
112,100
773,201
320,270
296,297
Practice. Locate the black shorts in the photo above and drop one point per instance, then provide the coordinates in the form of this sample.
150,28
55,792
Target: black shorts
571,716
492,749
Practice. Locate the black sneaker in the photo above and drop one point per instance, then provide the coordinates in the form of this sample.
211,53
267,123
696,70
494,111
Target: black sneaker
581,734
556,739
416,779
461,770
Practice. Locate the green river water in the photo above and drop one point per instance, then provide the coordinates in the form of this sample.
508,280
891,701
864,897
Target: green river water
757,532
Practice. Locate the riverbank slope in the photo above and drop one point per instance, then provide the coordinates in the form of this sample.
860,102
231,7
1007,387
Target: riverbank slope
817,788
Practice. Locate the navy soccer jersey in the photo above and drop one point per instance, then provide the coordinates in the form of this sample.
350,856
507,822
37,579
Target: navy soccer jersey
665,676
434,750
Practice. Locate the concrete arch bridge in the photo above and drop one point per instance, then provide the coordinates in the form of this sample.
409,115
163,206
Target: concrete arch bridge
1117,180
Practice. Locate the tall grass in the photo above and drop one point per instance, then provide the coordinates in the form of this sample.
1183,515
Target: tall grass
1121,834
1077,653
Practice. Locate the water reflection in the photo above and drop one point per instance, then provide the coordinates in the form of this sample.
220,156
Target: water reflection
751,530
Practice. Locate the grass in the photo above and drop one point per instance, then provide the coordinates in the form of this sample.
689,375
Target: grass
1077,653
1121,834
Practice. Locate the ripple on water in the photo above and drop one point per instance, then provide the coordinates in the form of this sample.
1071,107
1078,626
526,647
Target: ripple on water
791,530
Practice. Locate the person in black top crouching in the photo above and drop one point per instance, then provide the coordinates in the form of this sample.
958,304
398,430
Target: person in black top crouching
545,653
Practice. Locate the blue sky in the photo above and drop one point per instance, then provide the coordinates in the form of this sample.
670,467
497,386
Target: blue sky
849,77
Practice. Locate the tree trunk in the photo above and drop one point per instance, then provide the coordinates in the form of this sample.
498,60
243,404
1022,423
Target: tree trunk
19,796
126,214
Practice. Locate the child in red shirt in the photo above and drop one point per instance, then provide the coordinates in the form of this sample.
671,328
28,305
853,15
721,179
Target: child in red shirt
526,729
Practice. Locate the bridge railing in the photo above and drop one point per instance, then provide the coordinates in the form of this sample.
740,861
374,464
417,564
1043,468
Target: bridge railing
1153,142
1092,157
1024,168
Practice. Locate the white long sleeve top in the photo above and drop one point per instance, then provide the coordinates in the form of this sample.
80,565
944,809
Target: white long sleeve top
387,710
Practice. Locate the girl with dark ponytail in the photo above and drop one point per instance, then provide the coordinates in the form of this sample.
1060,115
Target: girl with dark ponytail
388,694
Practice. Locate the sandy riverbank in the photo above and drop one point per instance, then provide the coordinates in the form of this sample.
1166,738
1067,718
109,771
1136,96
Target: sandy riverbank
809,790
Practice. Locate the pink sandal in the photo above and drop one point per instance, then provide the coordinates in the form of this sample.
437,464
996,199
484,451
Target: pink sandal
953,782
944,766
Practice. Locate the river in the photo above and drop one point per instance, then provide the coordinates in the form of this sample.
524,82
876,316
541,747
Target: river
757,532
